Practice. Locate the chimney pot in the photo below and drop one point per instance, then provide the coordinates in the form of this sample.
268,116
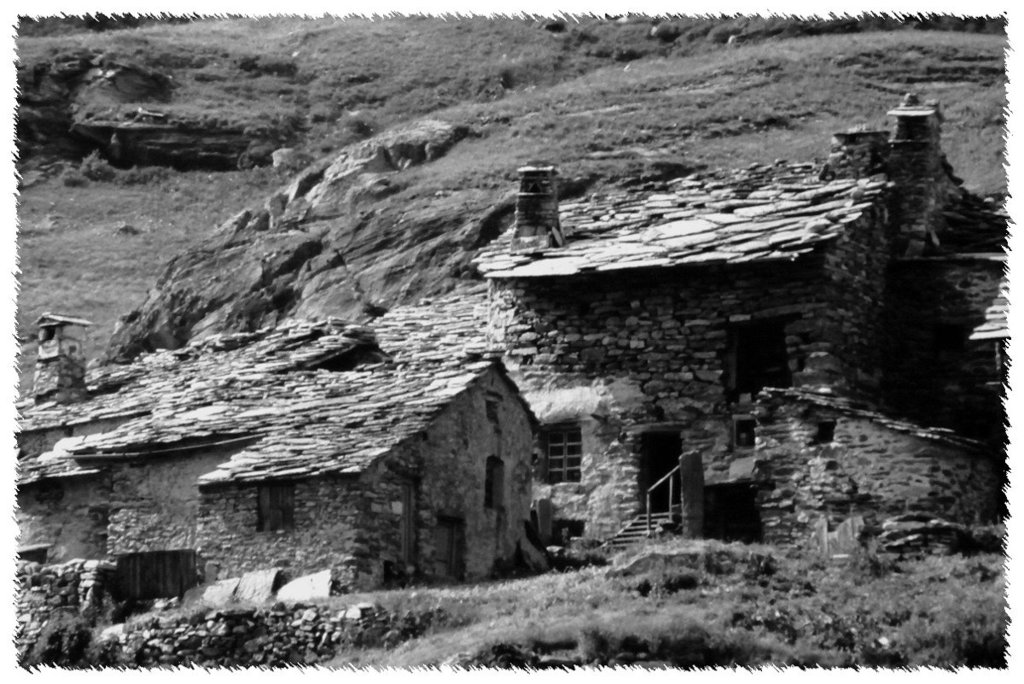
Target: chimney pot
60,359
537,226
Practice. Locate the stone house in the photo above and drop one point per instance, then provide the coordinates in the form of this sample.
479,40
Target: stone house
644,325
380,454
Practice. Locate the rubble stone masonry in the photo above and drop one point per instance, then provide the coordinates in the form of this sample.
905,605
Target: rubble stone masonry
872,468
354,526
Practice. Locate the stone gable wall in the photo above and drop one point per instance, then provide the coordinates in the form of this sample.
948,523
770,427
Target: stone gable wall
328,518
869,469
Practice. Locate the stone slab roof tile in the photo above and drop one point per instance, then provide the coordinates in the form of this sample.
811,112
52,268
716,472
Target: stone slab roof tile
853,408
265,388
762,213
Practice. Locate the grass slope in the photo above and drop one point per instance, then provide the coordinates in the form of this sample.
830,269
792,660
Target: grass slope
527,93
715,604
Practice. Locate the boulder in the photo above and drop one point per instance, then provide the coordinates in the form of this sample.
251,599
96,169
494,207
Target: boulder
258,586
289,159
221,593
306,588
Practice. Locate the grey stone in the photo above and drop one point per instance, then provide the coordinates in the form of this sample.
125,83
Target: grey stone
308,587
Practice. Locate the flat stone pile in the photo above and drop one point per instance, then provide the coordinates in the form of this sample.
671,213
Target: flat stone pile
279,636
917,534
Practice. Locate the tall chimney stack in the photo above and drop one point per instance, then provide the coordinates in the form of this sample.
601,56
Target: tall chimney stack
919,169
537,227
60,361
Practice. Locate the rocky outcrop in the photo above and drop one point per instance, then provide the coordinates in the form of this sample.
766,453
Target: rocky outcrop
81,100
344,238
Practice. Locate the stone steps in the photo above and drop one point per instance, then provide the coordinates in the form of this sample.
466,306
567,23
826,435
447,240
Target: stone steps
637,530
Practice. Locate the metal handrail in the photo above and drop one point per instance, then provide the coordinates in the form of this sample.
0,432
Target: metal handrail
671,493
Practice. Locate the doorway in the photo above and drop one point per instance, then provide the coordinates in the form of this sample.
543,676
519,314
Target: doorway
659,455
731,514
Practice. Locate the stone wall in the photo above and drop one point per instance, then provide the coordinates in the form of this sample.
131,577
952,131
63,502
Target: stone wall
354,526
487,420
154,503
268,637
69,514
934,375
872,467
327,530
45,591
625,353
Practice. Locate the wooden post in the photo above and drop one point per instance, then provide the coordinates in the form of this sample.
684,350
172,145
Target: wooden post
691,494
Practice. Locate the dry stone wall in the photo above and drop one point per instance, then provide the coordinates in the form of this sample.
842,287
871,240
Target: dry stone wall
69,514
45,591
154,503
328,520
278,636
869,469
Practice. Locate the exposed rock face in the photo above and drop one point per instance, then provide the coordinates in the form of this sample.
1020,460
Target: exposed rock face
333,242
81,100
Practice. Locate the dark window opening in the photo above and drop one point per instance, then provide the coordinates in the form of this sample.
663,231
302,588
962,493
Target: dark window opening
491,407
564,450
276,510
826,432
744,432
563,531
34,554
46,334
494,482
949,338
408,539
731,513
756,358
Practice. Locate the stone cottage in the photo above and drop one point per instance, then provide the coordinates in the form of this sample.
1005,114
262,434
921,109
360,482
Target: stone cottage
381,454
643,327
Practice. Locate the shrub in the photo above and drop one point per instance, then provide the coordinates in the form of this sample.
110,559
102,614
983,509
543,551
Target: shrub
73,178
96,168
63,642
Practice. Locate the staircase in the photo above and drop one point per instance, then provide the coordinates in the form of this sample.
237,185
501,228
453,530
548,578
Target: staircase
637,529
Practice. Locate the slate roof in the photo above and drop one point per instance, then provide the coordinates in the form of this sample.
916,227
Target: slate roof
266,394
761,213
857,409
995,325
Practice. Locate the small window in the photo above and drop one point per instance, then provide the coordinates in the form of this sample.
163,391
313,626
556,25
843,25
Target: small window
46,334
494,482
276,508
565,454
826,432
565,530
744,432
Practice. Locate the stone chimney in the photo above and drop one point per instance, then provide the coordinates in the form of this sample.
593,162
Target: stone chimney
60,361
921,174
857,153
537,227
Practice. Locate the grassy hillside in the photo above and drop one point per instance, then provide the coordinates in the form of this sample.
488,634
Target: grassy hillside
605,101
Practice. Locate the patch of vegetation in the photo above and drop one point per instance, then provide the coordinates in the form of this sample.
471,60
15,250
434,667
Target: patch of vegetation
741,610
528,93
